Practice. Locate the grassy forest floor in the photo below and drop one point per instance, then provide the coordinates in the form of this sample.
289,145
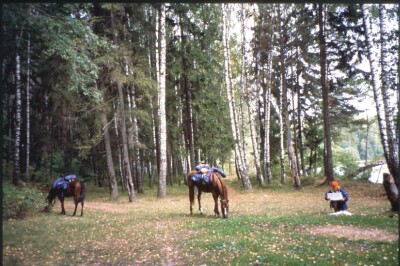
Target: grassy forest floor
272,226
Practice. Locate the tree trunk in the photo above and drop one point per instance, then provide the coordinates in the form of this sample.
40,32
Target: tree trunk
120,163
110,164
135,135
17,148
162,185
186,98
381,94
251,98
393,155
267,116
125,153
392,192
284,108
238,159
325,99
299,109
28,108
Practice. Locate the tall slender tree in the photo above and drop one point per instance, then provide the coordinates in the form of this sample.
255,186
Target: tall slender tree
251,92
162,185
125,151
228,85
325,98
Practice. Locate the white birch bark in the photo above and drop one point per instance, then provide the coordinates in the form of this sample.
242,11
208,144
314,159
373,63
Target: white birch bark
238,158
250,96
375,79
393,156
267,116
18,103
162,186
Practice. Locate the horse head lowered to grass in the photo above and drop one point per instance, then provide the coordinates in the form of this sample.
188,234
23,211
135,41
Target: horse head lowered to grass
214,186
75,188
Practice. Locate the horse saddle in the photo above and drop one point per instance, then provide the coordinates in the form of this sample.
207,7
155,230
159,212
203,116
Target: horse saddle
199,177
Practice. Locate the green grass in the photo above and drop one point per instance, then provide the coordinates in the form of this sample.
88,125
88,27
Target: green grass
265,227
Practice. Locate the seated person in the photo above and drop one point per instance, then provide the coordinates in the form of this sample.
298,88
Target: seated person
338,205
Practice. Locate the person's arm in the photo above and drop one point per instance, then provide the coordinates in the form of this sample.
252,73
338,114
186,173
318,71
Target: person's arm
326,195
344,194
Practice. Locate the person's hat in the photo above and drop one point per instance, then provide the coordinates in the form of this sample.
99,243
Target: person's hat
335,184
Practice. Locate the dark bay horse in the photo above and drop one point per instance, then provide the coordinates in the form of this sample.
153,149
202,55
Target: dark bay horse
75,188
214,186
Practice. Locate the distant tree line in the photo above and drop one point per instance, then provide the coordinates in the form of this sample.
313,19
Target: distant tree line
135,94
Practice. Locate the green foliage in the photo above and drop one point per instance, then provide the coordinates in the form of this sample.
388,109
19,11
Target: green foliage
19,202
345,161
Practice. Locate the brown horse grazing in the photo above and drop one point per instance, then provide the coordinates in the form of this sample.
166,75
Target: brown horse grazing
75,188
215,186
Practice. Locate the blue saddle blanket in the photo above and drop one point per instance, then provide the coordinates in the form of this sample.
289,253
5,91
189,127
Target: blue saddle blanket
62,182
198,177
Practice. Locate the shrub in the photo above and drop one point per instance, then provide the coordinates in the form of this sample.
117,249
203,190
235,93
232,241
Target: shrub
18,202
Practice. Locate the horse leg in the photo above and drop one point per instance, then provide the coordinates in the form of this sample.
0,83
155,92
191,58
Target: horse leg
216,211
199,200
191,195
62,205
82,208
76,206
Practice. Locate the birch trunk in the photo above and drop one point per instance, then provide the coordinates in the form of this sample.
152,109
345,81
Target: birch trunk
239,161
299,109
386,129
250,99
393,155
267,114
120,163
17,148
162,185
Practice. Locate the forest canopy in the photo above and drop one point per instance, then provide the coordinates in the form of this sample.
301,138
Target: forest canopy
137,94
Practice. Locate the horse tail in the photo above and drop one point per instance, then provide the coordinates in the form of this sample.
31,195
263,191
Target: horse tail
191,186
83,191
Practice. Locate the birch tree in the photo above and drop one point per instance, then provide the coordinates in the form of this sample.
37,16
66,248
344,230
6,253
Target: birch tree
393,156
380,89
18,103
162,185
251,91
238,156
